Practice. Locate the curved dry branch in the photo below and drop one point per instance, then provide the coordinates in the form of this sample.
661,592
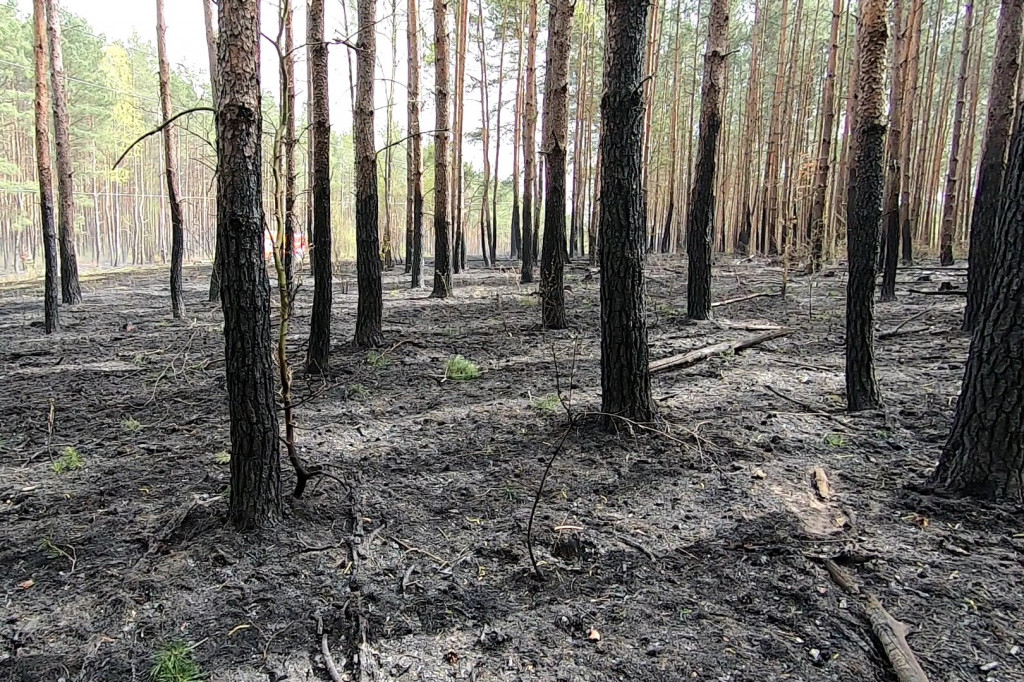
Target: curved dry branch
160,128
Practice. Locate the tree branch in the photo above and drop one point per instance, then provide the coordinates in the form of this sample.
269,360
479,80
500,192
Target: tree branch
160,128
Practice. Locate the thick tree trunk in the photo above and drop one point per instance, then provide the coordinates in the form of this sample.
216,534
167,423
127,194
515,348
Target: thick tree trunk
529,145
864,206
51,285
625,373
555,140
245,289
170,166
371,302
948,231
828,116
442,93
319,351
702,197
70,289
210,20
993,156
984,456
415,160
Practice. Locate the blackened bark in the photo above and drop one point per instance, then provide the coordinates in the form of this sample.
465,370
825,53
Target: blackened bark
993,157
890,243
170,167
555,136
414,258
211,48
864,206
371,302
529,141
625,373
947,233
288,95
245,289
701,219
70,289
51,285
442,145
318,354
984,456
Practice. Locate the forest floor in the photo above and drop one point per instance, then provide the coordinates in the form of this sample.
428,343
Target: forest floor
695,553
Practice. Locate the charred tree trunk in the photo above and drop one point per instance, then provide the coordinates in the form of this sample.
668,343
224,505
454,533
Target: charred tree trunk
170,166
210,21
245,289
993,157
555,137
948,232
319,351
984,456
864,206
371,298
442,90
51,285
415,161
828,115
891,210
529,146
702,198
289,142
625,373
70,289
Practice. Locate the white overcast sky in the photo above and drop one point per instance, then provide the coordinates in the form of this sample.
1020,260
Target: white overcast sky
186,45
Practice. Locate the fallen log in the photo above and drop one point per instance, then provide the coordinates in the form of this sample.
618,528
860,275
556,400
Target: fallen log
940,292
701,354
891,633
748,297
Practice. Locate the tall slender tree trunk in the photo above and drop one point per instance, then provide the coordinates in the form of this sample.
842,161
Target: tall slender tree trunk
51,284
828,108
625,371
458,119
442,92
371,302
947,235
245,293
415,161
752,121
770,188
529,144
666,233
71,290
702,198
555,138
210,20
497,135
993,156
910,89
289,142
864,206
517,134
170,166
319,351
891,203
485,133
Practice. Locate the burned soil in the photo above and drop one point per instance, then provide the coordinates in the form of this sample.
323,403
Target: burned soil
694,551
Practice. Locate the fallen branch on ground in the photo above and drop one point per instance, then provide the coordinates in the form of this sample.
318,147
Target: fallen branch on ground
701,354
905,332
748,297
940,292
891,633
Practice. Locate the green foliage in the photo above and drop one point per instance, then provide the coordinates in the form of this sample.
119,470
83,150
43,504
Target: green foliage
70,460
222,457
460,369
377,360
358,390
173,662
548,403
836,440
131,425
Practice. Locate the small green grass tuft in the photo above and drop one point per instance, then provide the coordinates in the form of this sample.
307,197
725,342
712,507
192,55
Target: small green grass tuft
174,663
69,460
548,403
223,457
357,390
377,360
461,369
131,425
836,440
